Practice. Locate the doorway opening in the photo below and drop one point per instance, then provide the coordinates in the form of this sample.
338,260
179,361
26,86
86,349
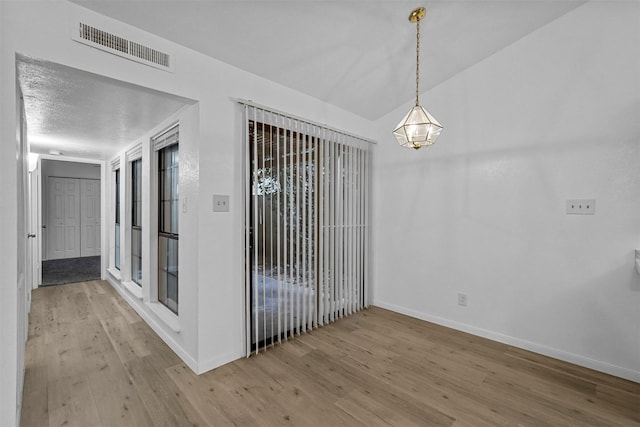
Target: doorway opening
71,222
85,119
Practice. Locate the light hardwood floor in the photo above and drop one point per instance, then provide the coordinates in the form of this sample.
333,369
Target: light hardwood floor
92,361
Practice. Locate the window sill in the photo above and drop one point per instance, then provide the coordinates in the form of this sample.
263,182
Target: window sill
166,315
133,288
114,272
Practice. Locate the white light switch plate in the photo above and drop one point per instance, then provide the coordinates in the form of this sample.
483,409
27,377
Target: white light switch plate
581,206
220,203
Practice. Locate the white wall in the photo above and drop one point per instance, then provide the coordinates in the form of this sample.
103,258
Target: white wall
24,269
552,117
9,196
14,303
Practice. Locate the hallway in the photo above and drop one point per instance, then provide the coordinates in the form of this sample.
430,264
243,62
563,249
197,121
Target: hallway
91,361
85,348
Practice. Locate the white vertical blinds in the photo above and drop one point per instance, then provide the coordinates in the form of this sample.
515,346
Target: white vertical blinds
306,217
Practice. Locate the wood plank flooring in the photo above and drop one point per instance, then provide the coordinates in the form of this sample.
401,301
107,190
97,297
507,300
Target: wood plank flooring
91,361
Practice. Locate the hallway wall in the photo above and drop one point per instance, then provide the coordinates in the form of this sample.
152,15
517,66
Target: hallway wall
15,300
555,116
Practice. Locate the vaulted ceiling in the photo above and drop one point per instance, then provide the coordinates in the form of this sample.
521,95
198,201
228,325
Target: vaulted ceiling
355,54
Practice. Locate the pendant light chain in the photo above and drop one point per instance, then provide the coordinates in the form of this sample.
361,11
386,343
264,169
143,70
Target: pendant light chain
417,61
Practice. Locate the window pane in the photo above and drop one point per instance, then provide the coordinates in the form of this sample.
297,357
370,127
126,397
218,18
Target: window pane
162,270
166,184
137,213
165,210
136,255
173,226
162,253
172,256
172,273
117,202
117,247
168,227
136,192
167,157
168,189
174,182
168,272
136,221
172,292
116,239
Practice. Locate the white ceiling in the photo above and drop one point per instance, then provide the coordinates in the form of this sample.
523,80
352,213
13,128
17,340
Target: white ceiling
86,115
355,54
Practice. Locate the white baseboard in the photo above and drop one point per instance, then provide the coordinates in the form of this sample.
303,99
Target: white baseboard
213,363
138,306
576,359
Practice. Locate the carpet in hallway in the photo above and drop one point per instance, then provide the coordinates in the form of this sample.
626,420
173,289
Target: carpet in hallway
70,270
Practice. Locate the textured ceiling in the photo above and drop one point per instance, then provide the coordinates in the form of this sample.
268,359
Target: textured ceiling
356,54
86,115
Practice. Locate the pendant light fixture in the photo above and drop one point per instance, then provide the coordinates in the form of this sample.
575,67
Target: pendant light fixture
418,128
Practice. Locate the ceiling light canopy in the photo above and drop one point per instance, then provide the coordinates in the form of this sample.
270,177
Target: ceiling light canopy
418,128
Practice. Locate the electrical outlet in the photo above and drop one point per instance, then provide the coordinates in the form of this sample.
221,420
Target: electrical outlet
581,206
220,203
462,299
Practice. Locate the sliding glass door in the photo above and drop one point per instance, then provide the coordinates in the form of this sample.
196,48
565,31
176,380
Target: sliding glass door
283,232
306,226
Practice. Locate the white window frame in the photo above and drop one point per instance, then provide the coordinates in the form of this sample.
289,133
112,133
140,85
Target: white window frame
115,165
132,155
163,312
134,288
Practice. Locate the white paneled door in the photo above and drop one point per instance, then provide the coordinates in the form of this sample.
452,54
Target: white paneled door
89,217
73,218
56,227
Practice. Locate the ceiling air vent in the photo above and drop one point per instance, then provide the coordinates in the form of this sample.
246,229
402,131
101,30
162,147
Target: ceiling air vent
122,46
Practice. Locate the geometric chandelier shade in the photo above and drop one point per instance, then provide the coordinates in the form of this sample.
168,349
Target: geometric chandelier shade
418,128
